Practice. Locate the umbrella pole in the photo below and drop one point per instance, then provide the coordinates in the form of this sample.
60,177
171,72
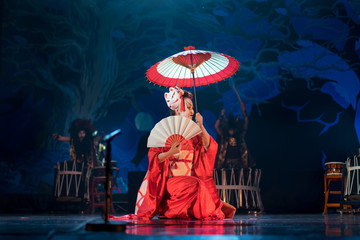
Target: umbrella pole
193,74
196,110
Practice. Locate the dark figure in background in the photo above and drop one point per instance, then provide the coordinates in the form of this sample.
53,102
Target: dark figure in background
82,142
82,149
233,152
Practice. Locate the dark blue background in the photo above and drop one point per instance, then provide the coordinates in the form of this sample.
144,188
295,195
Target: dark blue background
299,79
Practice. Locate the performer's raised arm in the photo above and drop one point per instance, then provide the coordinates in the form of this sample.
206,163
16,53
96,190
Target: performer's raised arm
204,134
60,138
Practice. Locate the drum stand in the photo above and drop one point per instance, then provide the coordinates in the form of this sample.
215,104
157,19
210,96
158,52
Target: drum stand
350,196
106,226
327,181
247,187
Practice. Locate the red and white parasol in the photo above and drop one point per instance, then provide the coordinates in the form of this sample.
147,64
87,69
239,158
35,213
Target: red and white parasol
192,68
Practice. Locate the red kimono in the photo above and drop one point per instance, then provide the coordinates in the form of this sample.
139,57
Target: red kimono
182,187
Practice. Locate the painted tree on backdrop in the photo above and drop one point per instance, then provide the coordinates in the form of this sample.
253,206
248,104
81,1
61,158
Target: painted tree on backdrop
316,43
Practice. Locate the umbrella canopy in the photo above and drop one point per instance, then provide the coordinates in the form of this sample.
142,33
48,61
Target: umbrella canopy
192,68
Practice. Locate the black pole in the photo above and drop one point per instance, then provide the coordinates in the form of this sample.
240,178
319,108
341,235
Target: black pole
107,226
108,182
193,75
196,110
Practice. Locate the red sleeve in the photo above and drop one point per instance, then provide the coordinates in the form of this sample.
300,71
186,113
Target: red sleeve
157,176
204,161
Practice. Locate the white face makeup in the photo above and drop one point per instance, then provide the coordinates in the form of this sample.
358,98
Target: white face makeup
189,109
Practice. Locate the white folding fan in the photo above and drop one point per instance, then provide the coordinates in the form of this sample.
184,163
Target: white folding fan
171,129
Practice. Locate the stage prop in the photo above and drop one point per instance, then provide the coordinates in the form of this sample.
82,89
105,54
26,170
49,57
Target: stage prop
172,129
192,68
240,186
106,226
98,189
70,180
351,193
333,173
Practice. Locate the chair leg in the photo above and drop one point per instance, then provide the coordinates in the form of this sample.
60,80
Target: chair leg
94,193
93,198
326,194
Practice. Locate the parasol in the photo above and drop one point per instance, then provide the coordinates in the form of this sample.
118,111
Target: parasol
192,68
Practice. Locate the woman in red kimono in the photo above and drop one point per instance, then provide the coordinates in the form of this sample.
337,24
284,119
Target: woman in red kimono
179,183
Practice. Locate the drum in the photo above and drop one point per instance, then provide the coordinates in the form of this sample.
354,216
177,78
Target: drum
353,176
100,171
69,181
239,187
334,168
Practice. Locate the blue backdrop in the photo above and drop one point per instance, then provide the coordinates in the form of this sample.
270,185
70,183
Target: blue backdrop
299,80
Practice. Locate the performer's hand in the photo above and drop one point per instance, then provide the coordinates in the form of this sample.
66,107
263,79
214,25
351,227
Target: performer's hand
55,136
199,119
175,148
223,112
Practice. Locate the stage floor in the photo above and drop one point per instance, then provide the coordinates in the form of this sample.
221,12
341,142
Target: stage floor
263,226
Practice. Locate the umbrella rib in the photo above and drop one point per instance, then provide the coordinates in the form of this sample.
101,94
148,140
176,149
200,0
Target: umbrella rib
178,69
156,77
196,59
182,76
201,70
170,70
232,68
162,71
167,72
210,75
226,67
173,71
213,66
199,58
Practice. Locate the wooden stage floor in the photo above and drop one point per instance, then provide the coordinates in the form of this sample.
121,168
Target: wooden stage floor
251,226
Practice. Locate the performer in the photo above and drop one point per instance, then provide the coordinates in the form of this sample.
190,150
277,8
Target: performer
233,152
82,148
180,178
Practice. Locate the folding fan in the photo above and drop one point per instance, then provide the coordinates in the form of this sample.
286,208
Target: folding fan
171,129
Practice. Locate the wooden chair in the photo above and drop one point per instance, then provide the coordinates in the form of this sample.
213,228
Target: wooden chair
333,173
97,190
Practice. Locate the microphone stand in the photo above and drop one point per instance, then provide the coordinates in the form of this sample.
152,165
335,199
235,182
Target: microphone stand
106,226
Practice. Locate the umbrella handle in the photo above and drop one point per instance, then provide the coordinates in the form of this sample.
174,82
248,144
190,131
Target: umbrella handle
196,109
193,74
